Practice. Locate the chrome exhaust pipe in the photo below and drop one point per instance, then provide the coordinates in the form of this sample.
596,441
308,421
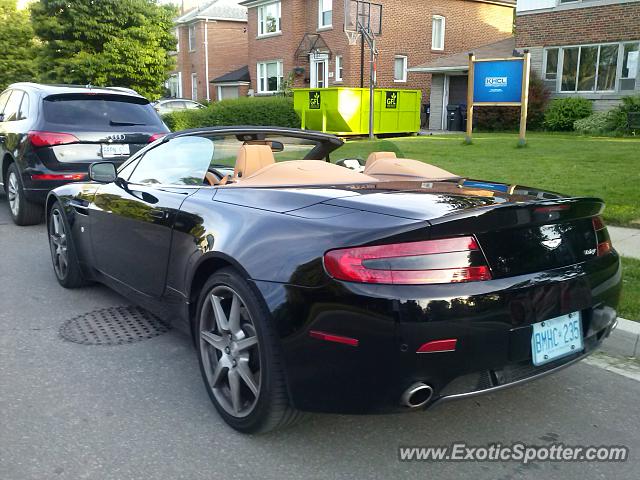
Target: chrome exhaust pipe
417,395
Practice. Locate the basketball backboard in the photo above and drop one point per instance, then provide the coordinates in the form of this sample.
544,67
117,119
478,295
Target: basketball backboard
362,16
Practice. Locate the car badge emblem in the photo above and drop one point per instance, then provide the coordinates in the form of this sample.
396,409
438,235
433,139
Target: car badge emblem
118,137
551,237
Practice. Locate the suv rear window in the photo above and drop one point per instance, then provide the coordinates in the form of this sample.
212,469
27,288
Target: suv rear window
101,111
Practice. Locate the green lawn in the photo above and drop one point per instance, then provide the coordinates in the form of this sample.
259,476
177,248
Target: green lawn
604,167
630,304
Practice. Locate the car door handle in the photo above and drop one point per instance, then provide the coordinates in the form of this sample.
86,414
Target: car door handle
157,214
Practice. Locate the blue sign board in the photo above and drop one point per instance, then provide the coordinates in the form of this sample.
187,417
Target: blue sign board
497,81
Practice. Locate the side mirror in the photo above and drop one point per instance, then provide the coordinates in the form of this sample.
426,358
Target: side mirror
103,172
1,117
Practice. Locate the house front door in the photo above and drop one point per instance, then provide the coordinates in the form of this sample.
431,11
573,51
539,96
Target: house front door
319,71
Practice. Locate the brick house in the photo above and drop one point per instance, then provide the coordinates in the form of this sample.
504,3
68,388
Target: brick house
212,42
307,38
587,48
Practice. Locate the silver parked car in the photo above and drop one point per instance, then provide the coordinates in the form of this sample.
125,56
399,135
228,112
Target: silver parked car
172,104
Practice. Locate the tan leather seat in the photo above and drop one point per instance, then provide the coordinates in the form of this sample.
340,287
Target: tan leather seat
211,179
252,158
375,156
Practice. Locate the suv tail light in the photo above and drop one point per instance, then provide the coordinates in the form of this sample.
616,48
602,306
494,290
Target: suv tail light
602,236
155,137
49,139
447,260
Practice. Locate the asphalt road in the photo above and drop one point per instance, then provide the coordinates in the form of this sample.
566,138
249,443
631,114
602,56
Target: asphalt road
139,411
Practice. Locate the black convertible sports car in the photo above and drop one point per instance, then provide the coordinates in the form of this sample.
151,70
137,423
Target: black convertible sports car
339,287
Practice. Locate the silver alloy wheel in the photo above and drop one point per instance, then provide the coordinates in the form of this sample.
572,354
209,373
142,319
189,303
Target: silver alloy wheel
230,351
58,243
13,192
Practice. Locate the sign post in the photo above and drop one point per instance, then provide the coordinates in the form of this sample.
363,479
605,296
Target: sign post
499,82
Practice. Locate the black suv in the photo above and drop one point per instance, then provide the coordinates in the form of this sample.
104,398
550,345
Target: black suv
49,134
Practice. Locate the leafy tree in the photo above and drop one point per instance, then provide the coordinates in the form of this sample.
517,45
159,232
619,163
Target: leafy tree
16,45
106,42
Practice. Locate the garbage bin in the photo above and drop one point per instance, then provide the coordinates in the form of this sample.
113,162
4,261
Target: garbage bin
426,111
454,118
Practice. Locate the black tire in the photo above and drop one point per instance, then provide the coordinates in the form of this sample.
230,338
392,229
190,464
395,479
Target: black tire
271,408
61,245
23,212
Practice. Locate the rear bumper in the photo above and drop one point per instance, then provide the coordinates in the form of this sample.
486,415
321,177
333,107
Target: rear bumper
490,320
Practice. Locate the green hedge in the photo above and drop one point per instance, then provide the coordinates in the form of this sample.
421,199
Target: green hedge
270,111
563,112
595,124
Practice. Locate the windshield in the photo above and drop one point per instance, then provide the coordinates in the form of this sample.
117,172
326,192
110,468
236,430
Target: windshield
100,111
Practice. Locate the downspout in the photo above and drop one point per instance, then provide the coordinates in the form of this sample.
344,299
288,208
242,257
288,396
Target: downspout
206,57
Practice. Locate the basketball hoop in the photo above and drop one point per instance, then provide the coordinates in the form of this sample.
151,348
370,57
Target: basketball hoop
352,37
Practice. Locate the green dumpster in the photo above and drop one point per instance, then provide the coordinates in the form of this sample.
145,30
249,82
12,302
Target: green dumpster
345,111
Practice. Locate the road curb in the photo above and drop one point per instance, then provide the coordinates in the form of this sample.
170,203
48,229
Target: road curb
624,340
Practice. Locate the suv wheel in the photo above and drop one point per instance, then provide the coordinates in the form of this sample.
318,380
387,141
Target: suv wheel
23,212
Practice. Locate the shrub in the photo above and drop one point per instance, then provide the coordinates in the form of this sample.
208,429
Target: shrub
508,118
618,116
270,111
594,124
563,112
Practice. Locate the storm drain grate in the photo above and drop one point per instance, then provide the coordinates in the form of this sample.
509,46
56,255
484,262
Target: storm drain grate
113,326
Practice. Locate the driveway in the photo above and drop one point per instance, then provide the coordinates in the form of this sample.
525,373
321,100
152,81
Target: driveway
139,411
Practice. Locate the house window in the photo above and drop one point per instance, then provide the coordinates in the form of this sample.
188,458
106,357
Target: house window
192,37
325,13
269,77
269,19
194,86
437,33
588,68
177,34
551,67
400,69
630,62
339,68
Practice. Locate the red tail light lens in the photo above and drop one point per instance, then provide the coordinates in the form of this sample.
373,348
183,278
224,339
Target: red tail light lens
155,137
49,139
602,236
447,260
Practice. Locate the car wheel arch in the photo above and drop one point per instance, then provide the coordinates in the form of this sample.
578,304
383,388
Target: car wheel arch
207,266
6,161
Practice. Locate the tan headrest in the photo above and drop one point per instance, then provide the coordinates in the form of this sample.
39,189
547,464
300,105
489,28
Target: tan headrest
375,156
252,158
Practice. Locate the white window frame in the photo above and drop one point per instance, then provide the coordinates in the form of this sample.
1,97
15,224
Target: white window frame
192,37
621,59
544,64
561,49
262,24
339,68
321,3
194,87
259,77
437,47
177,33
405,60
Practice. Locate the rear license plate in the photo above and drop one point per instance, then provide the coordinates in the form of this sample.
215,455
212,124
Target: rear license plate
556,338
115,150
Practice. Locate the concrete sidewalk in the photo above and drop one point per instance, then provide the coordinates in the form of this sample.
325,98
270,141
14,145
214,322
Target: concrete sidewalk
626,241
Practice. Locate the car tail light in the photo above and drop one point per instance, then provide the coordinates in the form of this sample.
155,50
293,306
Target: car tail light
602,236
155,137
59,176
49,139
447,260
